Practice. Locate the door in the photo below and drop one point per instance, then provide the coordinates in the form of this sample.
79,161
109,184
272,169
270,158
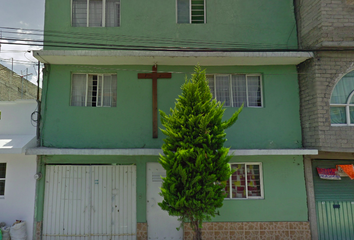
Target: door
160,224
334,203
90,203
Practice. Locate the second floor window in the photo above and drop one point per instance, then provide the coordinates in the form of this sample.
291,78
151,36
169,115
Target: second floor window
94,90
342,102
96,13
191,11
237,89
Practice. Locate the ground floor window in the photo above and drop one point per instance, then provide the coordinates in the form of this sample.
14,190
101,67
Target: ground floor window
2,179
246,182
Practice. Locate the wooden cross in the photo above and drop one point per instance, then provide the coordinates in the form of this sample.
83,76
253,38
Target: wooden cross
154,76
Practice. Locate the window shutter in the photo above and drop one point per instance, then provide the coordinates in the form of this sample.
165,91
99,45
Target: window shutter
78,90
182,11
197,11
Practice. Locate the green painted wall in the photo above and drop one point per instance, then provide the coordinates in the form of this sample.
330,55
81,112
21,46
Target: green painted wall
255,24
129,125
283,180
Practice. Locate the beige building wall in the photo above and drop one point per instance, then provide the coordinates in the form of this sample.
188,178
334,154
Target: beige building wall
13,87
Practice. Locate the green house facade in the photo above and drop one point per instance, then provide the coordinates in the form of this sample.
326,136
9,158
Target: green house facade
100,137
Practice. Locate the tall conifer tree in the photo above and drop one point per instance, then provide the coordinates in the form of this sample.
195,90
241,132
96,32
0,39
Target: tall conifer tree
195,160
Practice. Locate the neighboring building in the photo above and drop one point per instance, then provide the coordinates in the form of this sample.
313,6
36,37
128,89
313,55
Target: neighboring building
99,136
17,170
327,111
13,86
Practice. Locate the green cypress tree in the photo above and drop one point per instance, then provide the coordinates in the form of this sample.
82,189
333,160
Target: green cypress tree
195,160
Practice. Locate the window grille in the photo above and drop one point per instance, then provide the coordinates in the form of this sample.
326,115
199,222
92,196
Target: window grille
95,13
237,89
94,90
191,11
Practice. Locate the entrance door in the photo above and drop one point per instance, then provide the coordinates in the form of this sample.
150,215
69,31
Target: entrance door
160,224
90,203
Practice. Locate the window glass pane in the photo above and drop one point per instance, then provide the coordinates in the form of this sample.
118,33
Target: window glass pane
239,90
238,181
79,17
2,170
95,17
351,100
338,115
182,11
92,90
343,89
78,90
253,181
210,79
351,112
112,13
197,11
110,91
2,187
254,91
223,89
99,91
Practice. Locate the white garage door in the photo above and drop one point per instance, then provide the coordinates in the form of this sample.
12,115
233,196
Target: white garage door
90,203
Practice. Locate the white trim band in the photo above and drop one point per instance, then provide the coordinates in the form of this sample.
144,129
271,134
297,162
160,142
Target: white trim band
174,58
156,152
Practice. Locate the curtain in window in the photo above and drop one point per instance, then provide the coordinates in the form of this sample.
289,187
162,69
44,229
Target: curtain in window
343,89
239,95
110,91
210,79
78,90
338,115
183,11
223,89
79,16
254,91
95,16
112,13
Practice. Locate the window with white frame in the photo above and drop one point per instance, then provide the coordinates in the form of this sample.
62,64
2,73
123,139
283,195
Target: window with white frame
342,102
246,182
236,89
95,13
191,11
94,90
2,179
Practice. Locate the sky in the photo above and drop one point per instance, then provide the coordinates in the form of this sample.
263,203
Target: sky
20,14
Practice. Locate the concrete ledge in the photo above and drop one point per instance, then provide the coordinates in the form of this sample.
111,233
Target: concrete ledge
156,152
127,57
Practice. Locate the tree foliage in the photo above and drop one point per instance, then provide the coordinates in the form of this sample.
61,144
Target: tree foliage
195,159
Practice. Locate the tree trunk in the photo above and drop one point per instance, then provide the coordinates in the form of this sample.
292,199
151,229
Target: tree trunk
197,231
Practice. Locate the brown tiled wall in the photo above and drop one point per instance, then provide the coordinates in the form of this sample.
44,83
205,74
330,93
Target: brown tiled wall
252,230
38,230
141,232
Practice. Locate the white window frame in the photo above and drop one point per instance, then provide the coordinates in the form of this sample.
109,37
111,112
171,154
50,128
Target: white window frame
246,104
86,90
103,13
260,181
4,179
190,12
347,110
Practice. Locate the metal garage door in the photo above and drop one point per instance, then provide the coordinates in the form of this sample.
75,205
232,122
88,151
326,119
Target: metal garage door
90,203
334,203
